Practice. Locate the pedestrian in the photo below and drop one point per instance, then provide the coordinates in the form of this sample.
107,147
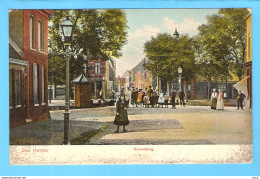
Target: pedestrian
146,100
133,96
166,99
181,96
161,100
214,97
139,98
121,118
240,99
173,96
100,94
220,101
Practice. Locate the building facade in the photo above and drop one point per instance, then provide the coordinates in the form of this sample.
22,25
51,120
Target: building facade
28,65
248,64
140,77
102,73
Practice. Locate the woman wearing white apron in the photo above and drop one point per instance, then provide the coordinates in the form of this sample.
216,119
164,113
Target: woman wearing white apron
220,101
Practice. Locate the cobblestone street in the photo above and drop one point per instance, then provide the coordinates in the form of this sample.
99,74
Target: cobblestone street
186,125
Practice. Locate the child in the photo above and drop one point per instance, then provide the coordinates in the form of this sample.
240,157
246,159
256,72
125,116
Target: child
121,118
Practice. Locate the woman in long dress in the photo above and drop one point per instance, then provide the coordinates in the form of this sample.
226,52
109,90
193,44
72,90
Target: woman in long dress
214,97
220,101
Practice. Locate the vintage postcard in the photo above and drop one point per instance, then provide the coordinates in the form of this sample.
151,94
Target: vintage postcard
130,86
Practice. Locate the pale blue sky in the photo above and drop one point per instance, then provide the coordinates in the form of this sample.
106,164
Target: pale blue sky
144,23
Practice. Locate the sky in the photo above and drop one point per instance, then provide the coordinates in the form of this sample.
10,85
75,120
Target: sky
144,23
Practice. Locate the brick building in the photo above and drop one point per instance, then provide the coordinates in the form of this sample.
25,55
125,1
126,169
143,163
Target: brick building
102,74
28,65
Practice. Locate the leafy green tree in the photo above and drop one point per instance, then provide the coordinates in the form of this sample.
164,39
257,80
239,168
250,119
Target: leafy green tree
96,33
166,54
222,45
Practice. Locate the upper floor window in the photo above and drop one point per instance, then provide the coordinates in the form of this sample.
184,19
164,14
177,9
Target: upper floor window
32,32
40,35
97,68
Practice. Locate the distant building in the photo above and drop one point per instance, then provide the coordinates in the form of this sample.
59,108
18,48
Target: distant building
102,74
127,76
28,65
120,83
140,77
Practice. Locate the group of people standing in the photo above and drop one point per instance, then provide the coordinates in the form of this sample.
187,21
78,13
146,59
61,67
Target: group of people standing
150,97
217,101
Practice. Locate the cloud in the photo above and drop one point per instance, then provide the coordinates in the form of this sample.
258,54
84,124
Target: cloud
145,33
187,26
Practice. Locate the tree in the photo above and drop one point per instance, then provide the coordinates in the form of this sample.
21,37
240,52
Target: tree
95,33
166,54
222,44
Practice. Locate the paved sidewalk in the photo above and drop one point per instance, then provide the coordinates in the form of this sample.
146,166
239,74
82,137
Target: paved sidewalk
50,132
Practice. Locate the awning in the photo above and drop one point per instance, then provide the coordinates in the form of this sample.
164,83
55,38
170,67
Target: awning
242,85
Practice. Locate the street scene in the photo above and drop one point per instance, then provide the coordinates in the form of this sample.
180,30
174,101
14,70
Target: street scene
130,77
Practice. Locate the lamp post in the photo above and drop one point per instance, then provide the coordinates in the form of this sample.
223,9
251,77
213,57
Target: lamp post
180,72
66,28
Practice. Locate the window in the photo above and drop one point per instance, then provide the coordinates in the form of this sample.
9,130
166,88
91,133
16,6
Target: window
32,32
15,87
35,83
18,87
249,46
43,81
97,68
40,35
10,87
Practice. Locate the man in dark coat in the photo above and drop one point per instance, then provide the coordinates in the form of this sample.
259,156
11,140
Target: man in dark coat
173,96
240,99
133,96
121,118
181,96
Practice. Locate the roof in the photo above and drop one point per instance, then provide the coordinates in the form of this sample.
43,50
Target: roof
81,79
16,48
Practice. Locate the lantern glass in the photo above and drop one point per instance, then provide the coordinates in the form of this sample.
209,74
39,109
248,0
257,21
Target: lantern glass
66,27
180,70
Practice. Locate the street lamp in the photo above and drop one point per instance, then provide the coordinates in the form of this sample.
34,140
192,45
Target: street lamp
66,28
180,72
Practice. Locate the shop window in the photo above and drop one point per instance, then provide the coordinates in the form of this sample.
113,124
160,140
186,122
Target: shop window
32,32
40,36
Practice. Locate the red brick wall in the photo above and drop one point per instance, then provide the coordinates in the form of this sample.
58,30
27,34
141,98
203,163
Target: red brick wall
102,69
41,58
